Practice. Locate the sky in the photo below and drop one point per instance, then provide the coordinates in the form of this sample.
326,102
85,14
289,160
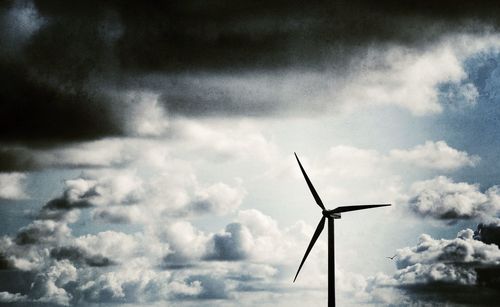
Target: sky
146,152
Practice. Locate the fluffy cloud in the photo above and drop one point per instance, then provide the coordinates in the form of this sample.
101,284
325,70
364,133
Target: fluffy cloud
6,297
218,198
148,118
434,155
441,198
76,254
42,231
370,174
176,261
444,270
223,140
455,252
75,268
12,186
431,261
108,189
172,260
48,286
433,271
233,244
186,243
167,262
132,197
410,78
117,246
249,238
431,155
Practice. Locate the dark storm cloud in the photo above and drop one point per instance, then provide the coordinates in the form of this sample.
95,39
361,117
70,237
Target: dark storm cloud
5,263
36,112
16,281
16,158
439,294
488,233
66,204
198,35
61,61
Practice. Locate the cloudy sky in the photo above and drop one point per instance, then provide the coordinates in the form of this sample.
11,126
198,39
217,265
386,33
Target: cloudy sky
146,152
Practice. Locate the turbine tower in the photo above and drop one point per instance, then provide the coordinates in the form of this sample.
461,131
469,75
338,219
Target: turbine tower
330,215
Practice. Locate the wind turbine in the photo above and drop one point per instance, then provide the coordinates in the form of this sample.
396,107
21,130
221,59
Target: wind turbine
330,215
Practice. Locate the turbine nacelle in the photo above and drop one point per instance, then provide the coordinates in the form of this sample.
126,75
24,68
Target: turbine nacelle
330,214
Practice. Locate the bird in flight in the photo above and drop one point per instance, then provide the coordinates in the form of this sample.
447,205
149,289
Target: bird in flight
392,258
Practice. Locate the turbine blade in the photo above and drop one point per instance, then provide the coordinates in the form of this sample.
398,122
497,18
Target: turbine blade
311,187
354,208
315,237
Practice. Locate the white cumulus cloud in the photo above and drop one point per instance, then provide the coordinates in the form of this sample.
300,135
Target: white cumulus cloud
12,186
434,155
442,198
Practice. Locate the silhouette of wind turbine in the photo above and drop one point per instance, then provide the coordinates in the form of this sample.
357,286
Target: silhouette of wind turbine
330,215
